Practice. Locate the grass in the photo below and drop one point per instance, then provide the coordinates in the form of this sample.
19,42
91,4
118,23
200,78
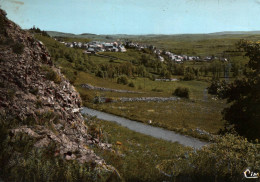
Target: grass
147,85
136,155
196,45
182,116
185,115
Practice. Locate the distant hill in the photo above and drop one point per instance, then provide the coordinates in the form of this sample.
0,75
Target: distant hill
60,34
236,32
145,36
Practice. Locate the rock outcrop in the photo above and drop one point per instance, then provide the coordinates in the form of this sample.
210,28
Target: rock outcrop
35,92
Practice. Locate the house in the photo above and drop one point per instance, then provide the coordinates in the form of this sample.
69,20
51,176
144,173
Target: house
208,58
108,46
114,49
178,60
157,51
161,58
122,48
69,44
91,50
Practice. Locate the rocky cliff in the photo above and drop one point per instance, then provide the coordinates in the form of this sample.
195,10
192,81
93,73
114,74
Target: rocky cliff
44,105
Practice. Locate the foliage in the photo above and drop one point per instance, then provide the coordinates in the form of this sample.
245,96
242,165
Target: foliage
138,154
181,92
51,74
189,74
131,84
21,161
100,74
70,74
18,48
244,95
122,80
218,88
37,30
225,160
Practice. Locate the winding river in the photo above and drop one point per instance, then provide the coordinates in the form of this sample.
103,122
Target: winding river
146,129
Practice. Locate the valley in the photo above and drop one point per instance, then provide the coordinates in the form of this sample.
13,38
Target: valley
136,85
136,91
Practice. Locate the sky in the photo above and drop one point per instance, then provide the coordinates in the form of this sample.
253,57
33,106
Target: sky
135,16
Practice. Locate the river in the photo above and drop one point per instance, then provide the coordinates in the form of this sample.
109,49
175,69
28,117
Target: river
147,129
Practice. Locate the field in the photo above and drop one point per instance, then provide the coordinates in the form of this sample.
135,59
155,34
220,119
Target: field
201,111
135,155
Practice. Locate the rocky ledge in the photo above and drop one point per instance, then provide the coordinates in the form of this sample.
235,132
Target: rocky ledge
34,91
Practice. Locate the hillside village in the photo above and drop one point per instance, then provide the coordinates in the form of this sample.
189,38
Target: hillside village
97,46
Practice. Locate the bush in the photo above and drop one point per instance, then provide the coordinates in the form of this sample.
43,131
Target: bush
18,48
181,92
86,97
100,74
225,160
70,75
189,76
218,88
51,74
131,84
122,80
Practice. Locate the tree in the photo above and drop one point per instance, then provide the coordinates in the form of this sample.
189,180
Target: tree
244,95
189,74
223,160
181,92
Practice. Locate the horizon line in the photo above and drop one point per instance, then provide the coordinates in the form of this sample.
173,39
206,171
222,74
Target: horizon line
227,32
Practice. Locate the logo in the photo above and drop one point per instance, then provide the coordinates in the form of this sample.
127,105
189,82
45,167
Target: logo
250,174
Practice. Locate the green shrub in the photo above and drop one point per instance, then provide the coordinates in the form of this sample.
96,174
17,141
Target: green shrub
122,80
218,88
18,48
189,76
38,103
86,96
131,84
100,74
50,74
225,160
182,92
70,75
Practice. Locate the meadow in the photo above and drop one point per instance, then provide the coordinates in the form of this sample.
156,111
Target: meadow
201,111
135,155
